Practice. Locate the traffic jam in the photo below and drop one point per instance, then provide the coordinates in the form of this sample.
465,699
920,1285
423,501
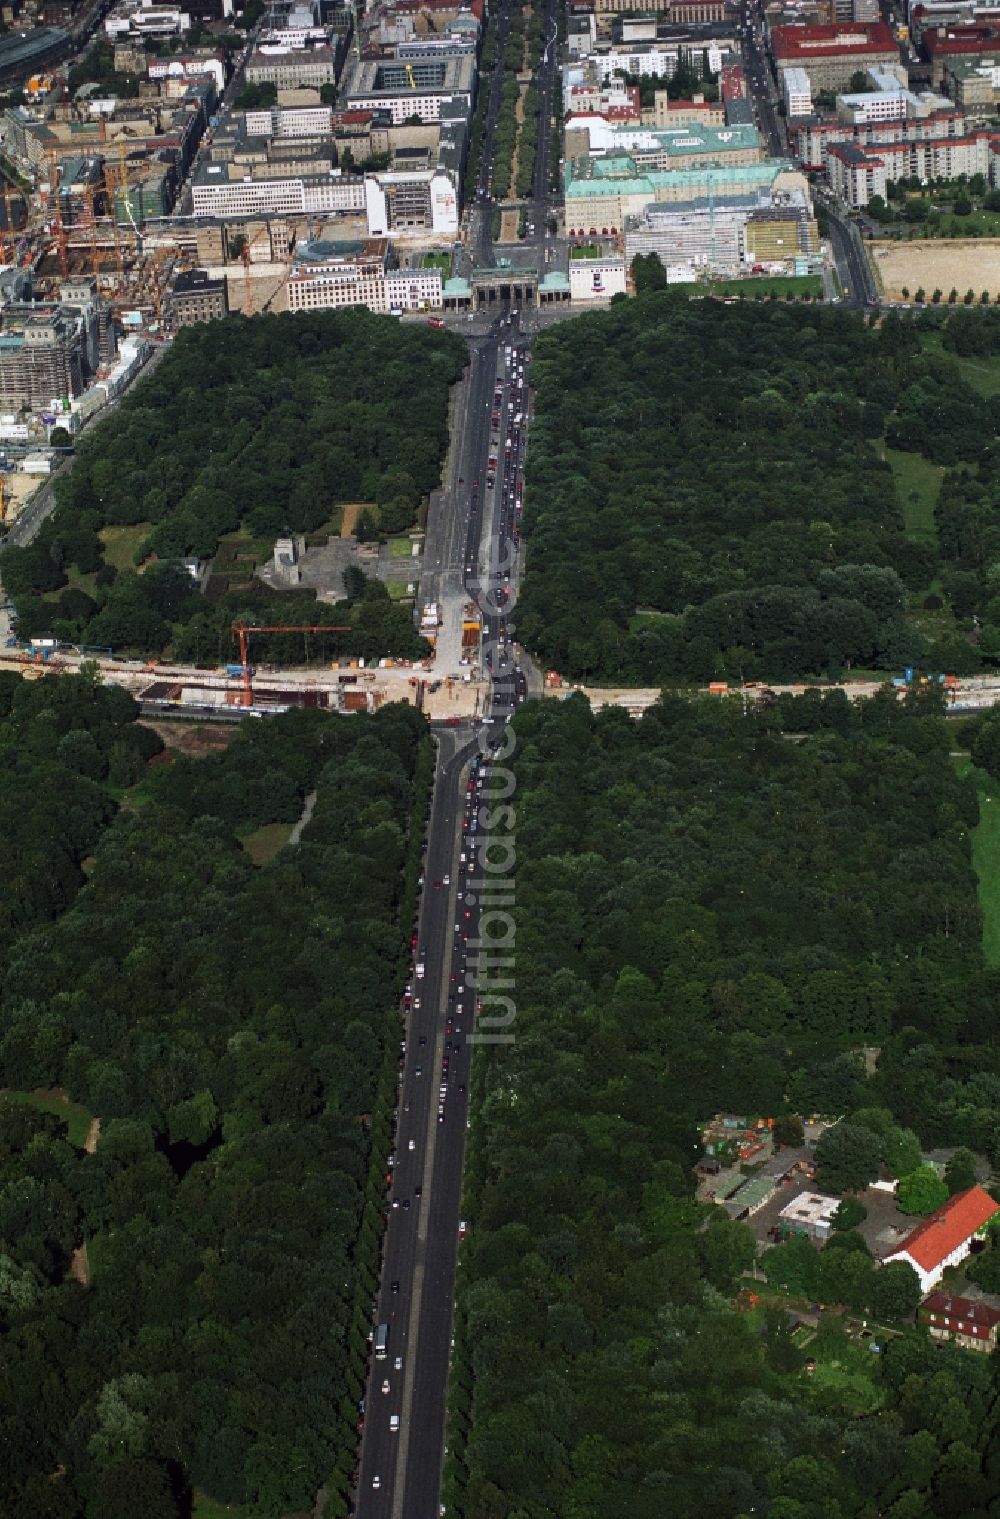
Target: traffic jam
505,479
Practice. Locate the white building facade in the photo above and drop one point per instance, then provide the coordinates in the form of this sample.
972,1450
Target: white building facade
797,91
596,279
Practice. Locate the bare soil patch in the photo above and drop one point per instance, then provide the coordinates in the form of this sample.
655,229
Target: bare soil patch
351,512
192,739
959,264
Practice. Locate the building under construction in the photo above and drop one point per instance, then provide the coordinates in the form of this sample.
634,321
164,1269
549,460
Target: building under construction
50,350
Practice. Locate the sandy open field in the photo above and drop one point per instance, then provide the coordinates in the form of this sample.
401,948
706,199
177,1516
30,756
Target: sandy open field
962,264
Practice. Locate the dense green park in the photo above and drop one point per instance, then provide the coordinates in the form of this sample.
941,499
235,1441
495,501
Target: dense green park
709,493
256,427
719,911
185,1310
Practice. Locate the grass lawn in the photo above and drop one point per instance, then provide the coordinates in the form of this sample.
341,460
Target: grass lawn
977,223
586,250
759,286
440,261
210,1508
852,1385
982,374
328,529
120,543
96,1252
399,590
236,550
986,855
400,548
77,583
849,1370
77,1118
917,484
646,620
264,843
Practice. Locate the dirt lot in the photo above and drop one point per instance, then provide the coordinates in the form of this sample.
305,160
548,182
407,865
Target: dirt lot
963,264
192,739
509,222
351,512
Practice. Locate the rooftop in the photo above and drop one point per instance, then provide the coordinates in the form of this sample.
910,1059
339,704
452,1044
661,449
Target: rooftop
940,40
949,1226
196,282
619,175
804,42
810,1208
967,1309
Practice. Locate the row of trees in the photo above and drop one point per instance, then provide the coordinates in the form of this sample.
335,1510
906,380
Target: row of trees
509,136
714,915
306,411
708,494
236,1030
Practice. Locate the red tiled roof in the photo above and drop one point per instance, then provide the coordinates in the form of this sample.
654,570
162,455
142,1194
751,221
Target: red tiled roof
847,39
948,1227
966,1309
961,39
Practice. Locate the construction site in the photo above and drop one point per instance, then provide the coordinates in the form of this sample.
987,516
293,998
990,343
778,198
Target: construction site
244,689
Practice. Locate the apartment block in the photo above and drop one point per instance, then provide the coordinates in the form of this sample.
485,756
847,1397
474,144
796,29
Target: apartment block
857,173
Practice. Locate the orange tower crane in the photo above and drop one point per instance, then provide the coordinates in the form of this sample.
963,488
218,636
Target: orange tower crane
242,630
249,243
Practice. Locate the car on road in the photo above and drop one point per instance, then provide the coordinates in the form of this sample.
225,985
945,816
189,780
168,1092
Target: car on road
385,1385
376,1481
395,1286
398,1363
393,1423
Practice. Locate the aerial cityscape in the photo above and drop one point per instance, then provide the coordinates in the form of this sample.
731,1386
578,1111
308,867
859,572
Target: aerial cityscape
499,726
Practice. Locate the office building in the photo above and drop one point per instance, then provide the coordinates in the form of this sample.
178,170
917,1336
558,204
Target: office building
797,91
830,55
328,276
407,88
196,297
292,68
601,192
421,200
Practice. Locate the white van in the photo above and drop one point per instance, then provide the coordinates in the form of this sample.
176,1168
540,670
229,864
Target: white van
394,1424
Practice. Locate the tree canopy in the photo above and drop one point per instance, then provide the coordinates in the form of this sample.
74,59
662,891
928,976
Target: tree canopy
711,917
708,494
261,425
235,1028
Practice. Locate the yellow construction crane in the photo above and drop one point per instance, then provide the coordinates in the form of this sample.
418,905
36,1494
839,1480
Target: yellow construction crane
411,76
